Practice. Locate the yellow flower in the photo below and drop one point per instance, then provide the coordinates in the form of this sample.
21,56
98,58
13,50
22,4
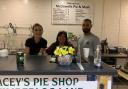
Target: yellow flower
59,51
64,52
71,50
65,47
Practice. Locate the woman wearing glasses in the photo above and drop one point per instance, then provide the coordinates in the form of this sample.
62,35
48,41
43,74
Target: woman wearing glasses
36,45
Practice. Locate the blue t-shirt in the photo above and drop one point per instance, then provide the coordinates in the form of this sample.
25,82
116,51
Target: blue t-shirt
35,47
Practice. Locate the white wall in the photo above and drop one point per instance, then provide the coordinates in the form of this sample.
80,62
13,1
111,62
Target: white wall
16,11
110,19
123,36
115,22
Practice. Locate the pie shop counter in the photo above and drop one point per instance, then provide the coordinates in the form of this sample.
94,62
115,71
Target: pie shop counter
38,73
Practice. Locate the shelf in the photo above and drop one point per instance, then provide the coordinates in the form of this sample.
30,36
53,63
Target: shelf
122,74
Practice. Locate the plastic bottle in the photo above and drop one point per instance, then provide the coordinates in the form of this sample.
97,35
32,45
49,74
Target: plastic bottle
78,59
97,57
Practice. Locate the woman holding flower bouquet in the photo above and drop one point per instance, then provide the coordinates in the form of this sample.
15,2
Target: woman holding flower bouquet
61,41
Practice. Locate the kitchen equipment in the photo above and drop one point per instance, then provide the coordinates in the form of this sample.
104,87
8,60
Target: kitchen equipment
104,46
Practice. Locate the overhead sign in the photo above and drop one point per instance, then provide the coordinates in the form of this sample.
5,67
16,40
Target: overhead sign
71,11
46,82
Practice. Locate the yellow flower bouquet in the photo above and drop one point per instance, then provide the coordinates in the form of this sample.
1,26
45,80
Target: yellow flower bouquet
64,50
64,54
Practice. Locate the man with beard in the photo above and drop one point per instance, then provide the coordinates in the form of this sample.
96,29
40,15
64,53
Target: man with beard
88,40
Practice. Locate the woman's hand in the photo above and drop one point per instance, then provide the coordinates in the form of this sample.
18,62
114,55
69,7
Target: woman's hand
26,50
42,51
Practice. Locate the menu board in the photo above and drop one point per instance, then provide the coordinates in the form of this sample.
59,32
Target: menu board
71,11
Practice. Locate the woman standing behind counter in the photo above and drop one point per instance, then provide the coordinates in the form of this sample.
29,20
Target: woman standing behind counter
61,40
36,45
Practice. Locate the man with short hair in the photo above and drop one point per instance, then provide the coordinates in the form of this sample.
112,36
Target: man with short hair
88,40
